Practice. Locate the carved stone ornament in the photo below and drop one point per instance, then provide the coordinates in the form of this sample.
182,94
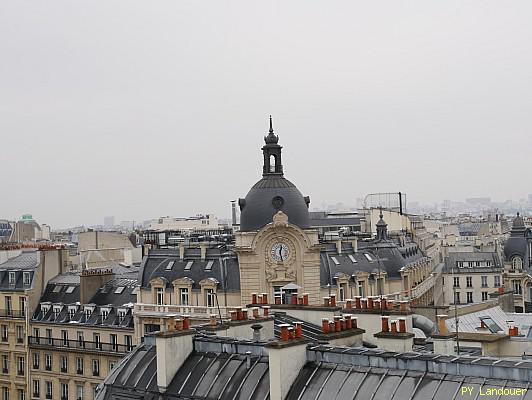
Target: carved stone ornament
280,270
280,220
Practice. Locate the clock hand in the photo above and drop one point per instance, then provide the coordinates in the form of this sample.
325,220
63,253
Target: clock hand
281,253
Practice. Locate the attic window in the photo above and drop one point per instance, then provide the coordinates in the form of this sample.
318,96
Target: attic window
26,278
57,289
169,266
70,289
368,257
208,267
189,265
335,260
352,258
119,289
11,278
490,324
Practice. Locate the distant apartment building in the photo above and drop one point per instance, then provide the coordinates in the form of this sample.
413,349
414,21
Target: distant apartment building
98,249
198,222
469,277
82,327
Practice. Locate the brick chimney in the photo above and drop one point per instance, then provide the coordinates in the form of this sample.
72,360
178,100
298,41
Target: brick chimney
91,280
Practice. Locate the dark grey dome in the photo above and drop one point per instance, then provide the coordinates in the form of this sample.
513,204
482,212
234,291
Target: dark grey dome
517,243
271,194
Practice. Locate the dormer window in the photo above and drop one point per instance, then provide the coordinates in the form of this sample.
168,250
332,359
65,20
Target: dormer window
105,314
517,263
121,316
45,309
11,277
71,313
88,313
57,310
26,278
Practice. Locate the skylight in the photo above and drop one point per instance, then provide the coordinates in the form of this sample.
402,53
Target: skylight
335,260
189,265
57,289
119,289
352,258
208,267
70,289
369,258
169,266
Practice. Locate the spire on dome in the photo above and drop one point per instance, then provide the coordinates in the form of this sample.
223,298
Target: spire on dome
271,138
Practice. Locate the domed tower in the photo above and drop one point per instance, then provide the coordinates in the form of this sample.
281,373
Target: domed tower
277,252
273,193
518,246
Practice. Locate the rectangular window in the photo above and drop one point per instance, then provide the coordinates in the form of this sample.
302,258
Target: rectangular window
79,392
129,342
456,281
79,365
497,281
21,394
210,297
277,295
36,360
48,362
64,338
484,281
81,340
517,287
26,278
49,336
22,306
111,365
5,364
64,364
361,291
188,267
469,297
457,298
37,335
352,258
159,296
97,341
36,388
49,389
208,267
469,281
11,277
114,342
335,261
484,296
9,306
5,393
21,366
95,367
183,295
64,391
20,333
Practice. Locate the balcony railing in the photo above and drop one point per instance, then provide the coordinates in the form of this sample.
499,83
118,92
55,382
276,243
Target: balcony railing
8,313
194,311
79,345
423,287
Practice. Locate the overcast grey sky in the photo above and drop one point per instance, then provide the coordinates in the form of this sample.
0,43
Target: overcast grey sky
141,109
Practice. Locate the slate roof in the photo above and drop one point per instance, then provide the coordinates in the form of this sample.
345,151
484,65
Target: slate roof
27,261
451,260
156,263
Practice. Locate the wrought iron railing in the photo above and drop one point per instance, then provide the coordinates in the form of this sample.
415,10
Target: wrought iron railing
79,345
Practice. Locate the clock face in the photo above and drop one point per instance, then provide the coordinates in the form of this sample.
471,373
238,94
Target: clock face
280,252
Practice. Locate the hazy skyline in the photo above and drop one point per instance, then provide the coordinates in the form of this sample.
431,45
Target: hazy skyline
139,109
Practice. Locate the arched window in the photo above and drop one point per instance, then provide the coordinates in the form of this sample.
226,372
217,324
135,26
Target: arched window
517,263
272,163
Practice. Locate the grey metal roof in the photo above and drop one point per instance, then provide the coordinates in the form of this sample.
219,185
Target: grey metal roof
259,206
359,374
27,261
204,375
